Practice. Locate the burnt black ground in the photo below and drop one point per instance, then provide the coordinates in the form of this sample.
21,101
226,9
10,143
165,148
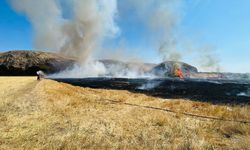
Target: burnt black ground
210,90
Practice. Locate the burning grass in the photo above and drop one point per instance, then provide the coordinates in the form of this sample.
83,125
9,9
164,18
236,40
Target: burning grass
53,115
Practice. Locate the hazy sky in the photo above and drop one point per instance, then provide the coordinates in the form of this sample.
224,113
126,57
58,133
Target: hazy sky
223,25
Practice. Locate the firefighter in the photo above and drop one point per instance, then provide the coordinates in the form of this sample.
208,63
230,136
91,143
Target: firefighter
40,74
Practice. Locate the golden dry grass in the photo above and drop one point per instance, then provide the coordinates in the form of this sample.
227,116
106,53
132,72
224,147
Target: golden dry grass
51,115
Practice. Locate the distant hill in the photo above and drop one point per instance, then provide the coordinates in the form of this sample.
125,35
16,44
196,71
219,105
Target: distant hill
24,62
27,63
168,68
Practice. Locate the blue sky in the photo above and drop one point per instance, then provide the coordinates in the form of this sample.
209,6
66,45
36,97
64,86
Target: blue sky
15,30
225,25
221,24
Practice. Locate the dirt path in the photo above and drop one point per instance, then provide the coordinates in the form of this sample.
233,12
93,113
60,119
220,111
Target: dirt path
13,88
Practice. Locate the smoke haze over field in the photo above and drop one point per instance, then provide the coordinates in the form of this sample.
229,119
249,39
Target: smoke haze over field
80,28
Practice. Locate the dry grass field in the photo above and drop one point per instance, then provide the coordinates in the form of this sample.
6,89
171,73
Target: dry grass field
51,115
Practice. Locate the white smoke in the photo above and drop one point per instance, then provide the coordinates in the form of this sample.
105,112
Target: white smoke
81,28
149,85
100,69
89,69
91,22
160,17
45,19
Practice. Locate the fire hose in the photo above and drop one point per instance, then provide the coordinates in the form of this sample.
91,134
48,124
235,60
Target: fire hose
176,112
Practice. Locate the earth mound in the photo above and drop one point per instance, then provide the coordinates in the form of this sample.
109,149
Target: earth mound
26,63
168,68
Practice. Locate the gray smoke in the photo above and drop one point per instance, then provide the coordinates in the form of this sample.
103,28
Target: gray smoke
162,18
45,19
91,21
149,85
80,27
204,57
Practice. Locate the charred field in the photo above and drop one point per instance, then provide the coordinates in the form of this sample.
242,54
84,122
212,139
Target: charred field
211,90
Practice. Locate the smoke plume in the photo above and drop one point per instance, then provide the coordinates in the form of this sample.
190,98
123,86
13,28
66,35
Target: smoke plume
88,23
80,27
162,18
